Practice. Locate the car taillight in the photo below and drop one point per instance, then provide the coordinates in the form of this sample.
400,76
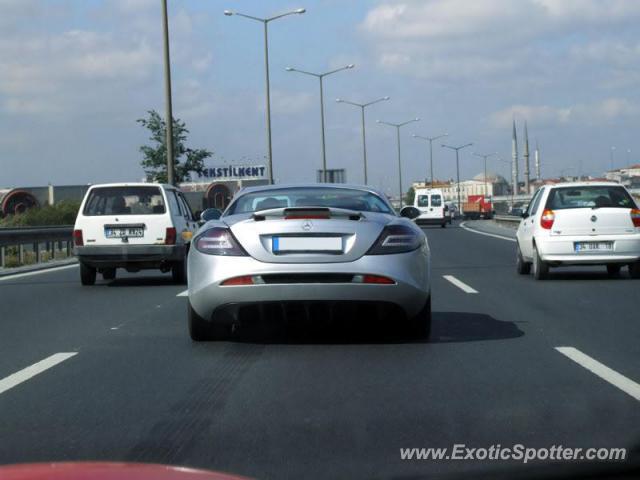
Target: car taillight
546,221
218,241
396,239
635,217
170,236
78,240
372,279
235,281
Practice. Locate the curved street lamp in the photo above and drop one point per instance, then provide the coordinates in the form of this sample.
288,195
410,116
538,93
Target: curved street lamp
430,140
397,127
265,22
362,106
320,76
457,149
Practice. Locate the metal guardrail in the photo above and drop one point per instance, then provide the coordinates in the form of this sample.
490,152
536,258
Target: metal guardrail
35,238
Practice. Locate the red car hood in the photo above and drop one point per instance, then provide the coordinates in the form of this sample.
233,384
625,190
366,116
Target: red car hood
107,471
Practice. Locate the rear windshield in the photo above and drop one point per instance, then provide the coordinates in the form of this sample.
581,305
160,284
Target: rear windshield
423,200
124,201
436,201
350,199
589,197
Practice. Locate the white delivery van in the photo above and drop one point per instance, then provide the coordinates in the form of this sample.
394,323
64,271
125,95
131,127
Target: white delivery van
133,226
433,210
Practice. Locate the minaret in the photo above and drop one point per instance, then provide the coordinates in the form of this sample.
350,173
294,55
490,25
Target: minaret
514,162
526,160
537,160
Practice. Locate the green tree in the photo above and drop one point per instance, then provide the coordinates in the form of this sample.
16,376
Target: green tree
186,160
409,196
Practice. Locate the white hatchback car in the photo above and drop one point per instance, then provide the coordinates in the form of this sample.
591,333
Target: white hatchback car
133,226
579,224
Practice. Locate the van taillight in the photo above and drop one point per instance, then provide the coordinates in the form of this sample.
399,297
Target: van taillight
546,221
170,237
635,217
78,241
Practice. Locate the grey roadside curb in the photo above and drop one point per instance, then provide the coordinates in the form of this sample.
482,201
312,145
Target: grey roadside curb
7,272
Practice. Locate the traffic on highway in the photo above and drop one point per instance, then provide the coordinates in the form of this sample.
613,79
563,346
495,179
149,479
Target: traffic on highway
294,299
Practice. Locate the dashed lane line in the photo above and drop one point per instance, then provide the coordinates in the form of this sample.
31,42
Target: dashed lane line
616,379
460,284
25,374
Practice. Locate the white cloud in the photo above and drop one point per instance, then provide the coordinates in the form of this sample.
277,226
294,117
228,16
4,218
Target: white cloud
438,38
597,113
284,102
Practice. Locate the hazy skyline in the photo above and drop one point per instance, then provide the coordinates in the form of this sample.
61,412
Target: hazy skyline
75,76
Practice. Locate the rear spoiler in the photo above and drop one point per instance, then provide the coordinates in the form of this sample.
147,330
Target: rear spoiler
303,213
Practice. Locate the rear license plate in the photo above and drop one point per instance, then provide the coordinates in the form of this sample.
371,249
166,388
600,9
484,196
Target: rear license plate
593,246
123,232
306,244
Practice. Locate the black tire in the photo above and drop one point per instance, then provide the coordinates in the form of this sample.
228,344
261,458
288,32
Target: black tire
200,330
87,274
634,270
444,225
522,267
540,268
420,325
179,272
613,270
109,274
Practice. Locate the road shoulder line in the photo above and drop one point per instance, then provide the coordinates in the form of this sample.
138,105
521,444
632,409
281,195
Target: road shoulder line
486,234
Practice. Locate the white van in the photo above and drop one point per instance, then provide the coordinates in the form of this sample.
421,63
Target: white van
133,226
433,210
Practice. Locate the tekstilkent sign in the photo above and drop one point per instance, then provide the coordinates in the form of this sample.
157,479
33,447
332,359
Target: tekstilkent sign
235,172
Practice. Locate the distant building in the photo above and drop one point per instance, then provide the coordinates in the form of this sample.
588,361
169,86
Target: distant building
496,186
627,176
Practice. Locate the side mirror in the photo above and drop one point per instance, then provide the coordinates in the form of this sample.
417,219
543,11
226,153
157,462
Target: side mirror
524,214
410,212
210,214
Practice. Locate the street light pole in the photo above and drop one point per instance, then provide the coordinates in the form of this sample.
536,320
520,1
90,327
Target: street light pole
362,106
167,97
611,152
321,76
484,157
430,140
457,149
265,22
397,127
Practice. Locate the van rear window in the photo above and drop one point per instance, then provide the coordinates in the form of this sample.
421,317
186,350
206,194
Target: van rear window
436,201
423,200
589,197
124,201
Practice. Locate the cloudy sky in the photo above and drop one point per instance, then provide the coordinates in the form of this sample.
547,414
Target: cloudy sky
76,74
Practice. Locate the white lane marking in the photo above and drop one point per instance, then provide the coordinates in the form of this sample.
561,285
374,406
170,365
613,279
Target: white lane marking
494,235
616,379
37,272
461,285
183,294
33,370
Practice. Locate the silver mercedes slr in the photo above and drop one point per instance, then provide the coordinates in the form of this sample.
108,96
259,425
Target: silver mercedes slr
307,252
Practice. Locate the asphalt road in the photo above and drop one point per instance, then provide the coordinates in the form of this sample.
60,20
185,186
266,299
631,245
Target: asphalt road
327,403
